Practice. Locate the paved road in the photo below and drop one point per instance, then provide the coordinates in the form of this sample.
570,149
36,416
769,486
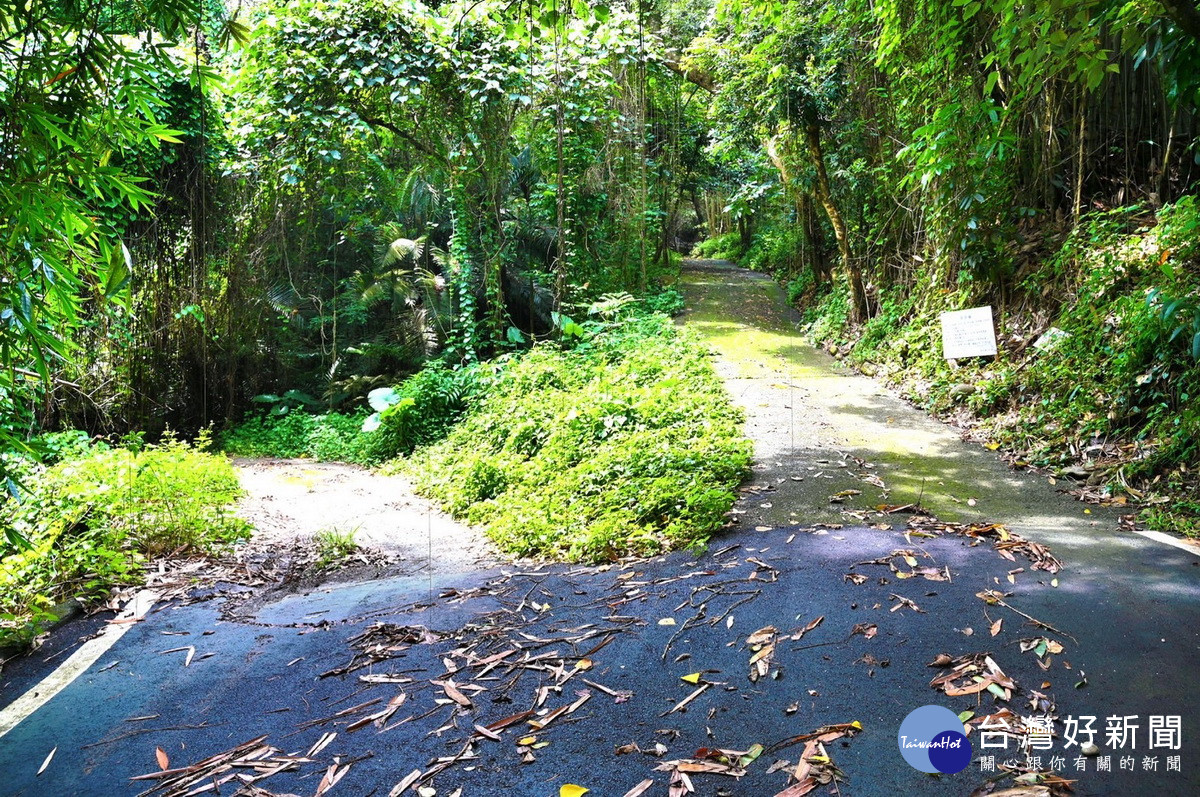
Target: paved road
589,652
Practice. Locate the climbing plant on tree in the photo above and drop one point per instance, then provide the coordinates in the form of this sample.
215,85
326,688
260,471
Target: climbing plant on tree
454,88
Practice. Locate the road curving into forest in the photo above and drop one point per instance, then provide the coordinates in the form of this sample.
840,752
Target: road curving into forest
813,611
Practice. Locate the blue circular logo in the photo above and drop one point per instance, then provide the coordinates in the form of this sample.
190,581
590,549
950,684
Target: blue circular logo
931,739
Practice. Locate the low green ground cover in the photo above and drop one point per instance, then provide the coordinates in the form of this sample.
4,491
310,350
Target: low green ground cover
617,438
625,443
87,517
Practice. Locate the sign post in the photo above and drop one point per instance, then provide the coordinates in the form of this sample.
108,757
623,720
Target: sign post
968,333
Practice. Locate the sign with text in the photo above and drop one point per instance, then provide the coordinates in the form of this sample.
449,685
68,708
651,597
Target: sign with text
968,333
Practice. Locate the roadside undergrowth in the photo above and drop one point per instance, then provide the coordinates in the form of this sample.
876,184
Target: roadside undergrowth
617,438
88,517
621,442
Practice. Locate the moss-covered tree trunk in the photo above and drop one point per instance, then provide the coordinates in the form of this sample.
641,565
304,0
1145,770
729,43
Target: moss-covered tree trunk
858,294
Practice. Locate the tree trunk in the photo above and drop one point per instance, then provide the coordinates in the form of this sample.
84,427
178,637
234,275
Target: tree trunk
698,206
1185,14
530,305
858,294
814,238
1164,175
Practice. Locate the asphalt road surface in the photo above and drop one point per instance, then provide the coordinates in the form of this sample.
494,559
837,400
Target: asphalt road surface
562,628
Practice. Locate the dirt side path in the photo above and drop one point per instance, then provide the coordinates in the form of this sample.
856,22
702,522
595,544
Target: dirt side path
290,499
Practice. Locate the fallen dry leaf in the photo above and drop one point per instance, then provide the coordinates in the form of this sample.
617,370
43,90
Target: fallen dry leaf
680,784
811,626
683,703
904,602
46,763
452,692
639,789
512,719
868,630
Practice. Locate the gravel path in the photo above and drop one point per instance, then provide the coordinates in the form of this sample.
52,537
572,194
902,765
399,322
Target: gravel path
294,499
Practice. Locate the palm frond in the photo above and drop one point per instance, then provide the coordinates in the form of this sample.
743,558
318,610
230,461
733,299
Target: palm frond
524,175
400,250
283,298
423,198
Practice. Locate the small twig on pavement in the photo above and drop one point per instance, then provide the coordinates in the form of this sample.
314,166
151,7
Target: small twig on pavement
140,731
994,597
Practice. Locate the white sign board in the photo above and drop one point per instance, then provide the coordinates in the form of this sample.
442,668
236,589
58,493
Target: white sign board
968,333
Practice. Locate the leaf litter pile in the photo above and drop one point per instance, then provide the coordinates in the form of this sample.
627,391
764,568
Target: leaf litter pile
559,673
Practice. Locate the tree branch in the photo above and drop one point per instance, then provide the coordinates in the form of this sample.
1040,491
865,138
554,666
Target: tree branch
417,143
690,73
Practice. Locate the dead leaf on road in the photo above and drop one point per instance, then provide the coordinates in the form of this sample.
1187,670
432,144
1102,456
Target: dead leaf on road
762,642
681,784
191,651
452,692
904,602
811,626
409,779
868,630
639,789
683,703
972,674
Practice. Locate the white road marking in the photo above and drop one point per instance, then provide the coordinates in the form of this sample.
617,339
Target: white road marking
77,664
1182,545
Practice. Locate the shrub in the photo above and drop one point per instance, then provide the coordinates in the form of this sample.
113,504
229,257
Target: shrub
828,319
799,286
284,436
668,301
775,248
421,410
625,444
332,436
427,404
90,522
727,247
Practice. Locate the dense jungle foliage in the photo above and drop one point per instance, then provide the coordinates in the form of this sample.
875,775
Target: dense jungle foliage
362,229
